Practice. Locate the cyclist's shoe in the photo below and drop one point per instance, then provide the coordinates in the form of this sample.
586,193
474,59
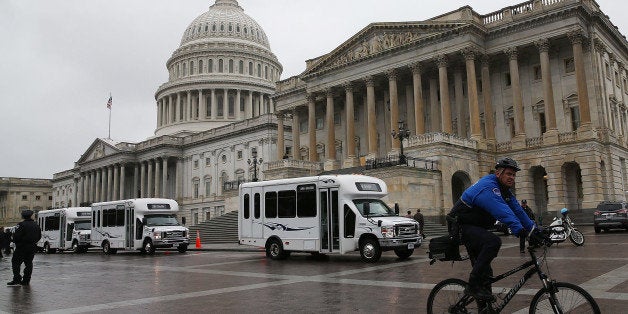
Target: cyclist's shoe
478,290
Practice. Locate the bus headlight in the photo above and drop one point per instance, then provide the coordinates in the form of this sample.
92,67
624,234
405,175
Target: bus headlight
157,235
388,231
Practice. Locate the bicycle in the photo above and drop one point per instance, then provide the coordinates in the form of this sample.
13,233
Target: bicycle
554,297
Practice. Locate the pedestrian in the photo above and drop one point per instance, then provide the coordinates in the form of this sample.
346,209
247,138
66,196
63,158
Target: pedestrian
8,234
419,218
409,214
530,213
25,236
477,209
3,239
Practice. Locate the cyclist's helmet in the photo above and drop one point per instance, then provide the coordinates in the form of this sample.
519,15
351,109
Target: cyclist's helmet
564,211
507,162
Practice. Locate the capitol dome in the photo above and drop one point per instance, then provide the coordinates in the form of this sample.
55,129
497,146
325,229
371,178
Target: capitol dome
223,72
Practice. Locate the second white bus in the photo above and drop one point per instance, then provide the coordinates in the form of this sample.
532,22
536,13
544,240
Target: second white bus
324,214
65,229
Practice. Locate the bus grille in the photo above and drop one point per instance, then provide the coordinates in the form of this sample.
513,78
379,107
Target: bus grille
406,230
174,234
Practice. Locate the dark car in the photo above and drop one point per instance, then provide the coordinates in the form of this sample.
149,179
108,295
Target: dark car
610,215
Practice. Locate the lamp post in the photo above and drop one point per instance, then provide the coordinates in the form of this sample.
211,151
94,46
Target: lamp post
401,134
255,162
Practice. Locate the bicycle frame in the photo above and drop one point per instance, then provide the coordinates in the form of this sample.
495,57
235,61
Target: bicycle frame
536,268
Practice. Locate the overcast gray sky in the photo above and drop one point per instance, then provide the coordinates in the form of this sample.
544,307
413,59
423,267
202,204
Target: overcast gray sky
60,59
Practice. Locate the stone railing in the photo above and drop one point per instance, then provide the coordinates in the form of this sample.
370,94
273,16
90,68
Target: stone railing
232,185
162,140
291,163
504,146
506,14
289,84
227,129
432,138
534,142
567,137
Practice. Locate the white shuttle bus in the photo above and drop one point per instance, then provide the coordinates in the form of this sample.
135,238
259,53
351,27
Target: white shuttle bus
138,224
323,215
65,229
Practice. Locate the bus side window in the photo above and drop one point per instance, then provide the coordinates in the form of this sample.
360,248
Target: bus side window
69,229
247,206
349,222
257,205
138,229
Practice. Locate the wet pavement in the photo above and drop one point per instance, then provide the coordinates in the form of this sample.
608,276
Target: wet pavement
239,279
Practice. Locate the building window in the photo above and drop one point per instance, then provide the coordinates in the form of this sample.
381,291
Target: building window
24,197
320,123
220,65
195,189
230,66
607,70
239,154
241,67
208,161
208,184
231,106
250,68
616,78
507,80
303,126
38,197
266,72
220,105
259,70
50,197
191,67
200,66
337,118
537,72
208,106
185,69
210,66
224,159
195,164
570,66
575,118
542,122
512,127
241,103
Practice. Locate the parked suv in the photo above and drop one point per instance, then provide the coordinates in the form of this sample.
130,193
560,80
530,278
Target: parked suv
610,215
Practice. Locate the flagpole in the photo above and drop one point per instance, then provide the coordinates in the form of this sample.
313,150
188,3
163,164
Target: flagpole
109,134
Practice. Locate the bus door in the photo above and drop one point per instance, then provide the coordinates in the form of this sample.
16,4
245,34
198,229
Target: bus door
257,230
129,229
329,220
62,228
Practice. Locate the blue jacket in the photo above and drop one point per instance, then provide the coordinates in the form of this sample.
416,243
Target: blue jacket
485,197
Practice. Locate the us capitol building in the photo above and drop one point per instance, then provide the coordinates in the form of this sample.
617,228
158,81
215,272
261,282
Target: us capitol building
543,82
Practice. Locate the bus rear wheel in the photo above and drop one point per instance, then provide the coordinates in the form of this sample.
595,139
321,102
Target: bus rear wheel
47,248
106,248
274,250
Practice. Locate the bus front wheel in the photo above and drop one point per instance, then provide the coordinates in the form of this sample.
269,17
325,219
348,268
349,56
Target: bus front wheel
370,250
182,248
76,248
148,247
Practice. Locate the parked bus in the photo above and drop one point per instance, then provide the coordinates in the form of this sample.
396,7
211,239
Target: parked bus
322,215
138,224
65,229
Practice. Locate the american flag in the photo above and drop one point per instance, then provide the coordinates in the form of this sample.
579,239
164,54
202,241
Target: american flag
109,103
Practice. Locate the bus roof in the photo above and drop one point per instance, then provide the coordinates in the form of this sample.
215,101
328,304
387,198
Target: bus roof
346,180
71,212
152,204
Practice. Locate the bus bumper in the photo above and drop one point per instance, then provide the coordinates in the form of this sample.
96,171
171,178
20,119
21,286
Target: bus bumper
167,243
400,243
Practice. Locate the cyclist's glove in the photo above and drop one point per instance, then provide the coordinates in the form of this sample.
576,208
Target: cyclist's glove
538,238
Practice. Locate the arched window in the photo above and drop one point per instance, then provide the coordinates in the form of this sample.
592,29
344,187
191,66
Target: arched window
230,66
241,67
214,27
210,66
185,69
222,27
266,72
200,66
178,71
250,68
246,31
231,106
220,65
259,70
220,102
230,27
191,67
206,28
238,28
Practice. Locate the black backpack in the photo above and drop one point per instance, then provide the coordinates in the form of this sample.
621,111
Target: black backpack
447,247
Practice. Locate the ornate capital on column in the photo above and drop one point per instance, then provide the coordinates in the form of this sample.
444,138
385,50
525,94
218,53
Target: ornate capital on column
370,81
441,61
329,92
512,53
469,53
348,87
542,44
611,58
485,60
392,75
599,45
310,97
415,68
576,36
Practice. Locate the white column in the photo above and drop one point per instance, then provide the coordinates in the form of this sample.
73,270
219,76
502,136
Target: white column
122,182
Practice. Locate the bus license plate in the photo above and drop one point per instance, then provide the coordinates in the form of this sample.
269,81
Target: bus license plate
410,246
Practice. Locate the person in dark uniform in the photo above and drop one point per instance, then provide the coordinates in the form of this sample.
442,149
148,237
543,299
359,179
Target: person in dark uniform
25,236
477,209
530,213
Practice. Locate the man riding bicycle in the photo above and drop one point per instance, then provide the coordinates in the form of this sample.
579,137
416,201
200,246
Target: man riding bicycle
477,209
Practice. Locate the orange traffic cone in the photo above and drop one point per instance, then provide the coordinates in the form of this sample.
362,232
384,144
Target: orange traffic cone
198,240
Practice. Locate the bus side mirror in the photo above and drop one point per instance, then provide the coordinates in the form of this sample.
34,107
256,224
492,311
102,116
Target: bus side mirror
183,220
367,209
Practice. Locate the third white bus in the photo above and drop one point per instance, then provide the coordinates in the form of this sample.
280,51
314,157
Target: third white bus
322,215
65,229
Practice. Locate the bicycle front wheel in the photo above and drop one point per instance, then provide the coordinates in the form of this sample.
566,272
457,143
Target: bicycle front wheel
566,298
448,297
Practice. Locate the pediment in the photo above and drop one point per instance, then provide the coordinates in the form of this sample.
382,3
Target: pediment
378,38
100,148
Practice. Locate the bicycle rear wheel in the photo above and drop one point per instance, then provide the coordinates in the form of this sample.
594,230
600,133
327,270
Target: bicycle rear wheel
448,297
567,298
576,237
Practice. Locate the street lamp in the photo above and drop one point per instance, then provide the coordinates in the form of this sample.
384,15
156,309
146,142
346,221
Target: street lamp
401,134
255,162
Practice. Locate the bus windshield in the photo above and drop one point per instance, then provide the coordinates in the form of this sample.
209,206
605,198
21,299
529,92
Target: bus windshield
161,220
82,225
376,207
